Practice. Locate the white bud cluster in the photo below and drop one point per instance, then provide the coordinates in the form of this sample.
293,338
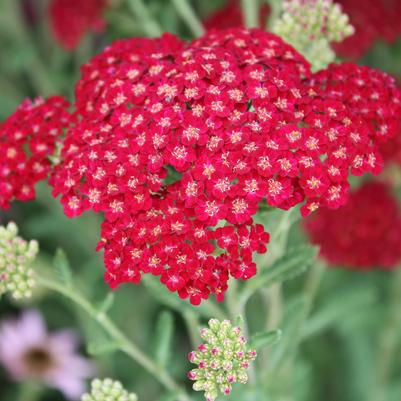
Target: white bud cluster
108,390
16,257
311,26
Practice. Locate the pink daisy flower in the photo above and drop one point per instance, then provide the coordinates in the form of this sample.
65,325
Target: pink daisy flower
29,352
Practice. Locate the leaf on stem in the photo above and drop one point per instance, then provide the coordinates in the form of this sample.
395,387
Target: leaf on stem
108,302
103,347
292,264
62,266
164,336
265,339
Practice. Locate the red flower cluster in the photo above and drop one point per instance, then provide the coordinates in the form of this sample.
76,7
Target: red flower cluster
370,95
231,16
373,20
177,144
71,19
27,139
391,150
364,234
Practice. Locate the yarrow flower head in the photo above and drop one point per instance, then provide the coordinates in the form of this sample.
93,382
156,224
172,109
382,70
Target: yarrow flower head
29,353
72,19
373,20
222,361
364,234
311,26
16,257
178,143
108,390
27,139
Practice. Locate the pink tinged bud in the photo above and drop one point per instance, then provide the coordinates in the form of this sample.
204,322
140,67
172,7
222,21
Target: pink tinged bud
237,330
242,340
214,365
204,332
202,348
202,365
240,354
245,365
252,354
192,375
192,356
215,351
231,378
227,390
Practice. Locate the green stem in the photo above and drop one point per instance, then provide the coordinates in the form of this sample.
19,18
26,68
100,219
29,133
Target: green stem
275,12
192,323
189,16
126,346
36,69
388,340
250,10
274,300
141,12
311,287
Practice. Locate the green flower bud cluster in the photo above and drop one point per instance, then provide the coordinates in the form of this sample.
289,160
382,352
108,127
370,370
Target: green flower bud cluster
222,361
16,257
108,390
311,26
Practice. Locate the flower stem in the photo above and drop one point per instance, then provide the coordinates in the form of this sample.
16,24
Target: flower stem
36,68
250,10
189,16
192,323
141,12
275,11
388,340
126,346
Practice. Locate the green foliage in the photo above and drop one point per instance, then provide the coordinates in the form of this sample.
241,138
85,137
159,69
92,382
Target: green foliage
266,339
62,267
163,338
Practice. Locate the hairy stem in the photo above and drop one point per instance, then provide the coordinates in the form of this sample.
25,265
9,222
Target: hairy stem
141,12
250,11
275,11
126,346
388,340
189,16
192,323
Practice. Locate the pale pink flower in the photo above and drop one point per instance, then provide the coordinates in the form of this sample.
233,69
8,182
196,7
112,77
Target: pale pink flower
29,352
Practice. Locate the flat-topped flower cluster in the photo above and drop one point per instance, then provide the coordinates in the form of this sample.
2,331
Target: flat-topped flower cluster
177,144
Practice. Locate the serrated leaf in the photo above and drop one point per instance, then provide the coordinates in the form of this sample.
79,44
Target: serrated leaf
266,339
293,314
295,262
341,307
102,348
239,321
164,336
60,263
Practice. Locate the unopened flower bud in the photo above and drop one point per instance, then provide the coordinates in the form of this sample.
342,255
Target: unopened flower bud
108,390
312,26
221,360
16,257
